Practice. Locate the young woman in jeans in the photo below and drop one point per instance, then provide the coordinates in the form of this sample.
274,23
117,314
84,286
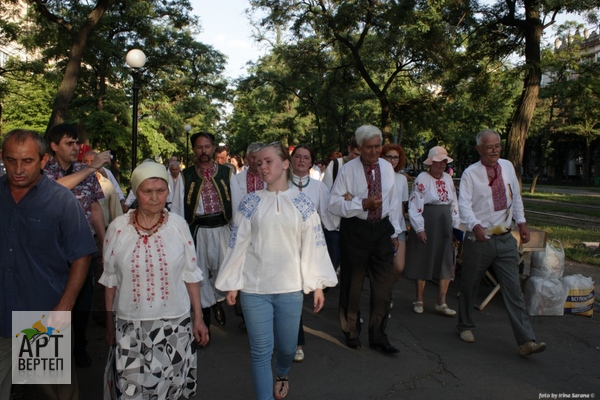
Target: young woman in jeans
276,251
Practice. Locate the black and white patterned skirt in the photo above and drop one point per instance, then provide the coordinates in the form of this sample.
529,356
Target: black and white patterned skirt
155,359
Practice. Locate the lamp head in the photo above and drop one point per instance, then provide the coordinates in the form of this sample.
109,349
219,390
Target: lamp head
135,58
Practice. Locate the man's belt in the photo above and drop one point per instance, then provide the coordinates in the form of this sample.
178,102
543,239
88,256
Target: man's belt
210,220
471,236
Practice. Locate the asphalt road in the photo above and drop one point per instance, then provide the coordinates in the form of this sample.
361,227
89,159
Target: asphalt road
433,363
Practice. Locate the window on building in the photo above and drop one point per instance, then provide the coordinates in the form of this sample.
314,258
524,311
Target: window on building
3,59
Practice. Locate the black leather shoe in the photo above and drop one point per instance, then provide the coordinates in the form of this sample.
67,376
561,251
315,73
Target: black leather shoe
384,347
353,343
219,313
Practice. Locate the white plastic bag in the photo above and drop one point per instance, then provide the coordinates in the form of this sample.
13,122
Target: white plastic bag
580,295
549,263
544,296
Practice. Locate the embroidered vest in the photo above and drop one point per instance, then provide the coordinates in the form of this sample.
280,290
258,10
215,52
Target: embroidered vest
193,187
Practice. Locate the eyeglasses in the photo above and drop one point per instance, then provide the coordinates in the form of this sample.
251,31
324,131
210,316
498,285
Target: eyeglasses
392,157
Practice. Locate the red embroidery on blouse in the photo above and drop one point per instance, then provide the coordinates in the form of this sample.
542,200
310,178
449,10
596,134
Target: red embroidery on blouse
150,268
442,191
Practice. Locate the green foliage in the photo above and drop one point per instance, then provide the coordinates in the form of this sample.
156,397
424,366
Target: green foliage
572,96
181,82
9,26
391,46
426,72
26,102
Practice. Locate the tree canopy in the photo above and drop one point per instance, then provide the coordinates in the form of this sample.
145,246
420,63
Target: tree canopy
425,72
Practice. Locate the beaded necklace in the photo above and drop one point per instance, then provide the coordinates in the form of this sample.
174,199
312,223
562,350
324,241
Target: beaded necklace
300,185
152,230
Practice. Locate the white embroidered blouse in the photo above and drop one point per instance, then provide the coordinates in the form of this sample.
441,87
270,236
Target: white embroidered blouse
428,190
150,272
276,246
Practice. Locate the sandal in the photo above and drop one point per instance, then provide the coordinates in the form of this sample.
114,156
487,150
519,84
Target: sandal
418,307
445,310
283,389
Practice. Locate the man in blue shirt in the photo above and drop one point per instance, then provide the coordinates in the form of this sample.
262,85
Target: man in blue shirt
45,247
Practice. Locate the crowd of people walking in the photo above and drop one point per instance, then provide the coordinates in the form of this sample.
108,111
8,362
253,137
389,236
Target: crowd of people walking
257,234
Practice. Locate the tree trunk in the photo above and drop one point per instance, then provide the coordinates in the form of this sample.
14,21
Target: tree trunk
67,87
587,161
386,127
526,107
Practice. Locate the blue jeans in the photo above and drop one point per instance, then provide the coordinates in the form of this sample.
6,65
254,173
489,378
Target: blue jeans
272,321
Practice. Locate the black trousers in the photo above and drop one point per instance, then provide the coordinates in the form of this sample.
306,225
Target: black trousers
367,251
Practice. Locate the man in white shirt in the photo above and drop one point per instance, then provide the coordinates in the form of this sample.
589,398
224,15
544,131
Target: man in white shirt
489,199
175,198
111,177
364,195
249,180
334,165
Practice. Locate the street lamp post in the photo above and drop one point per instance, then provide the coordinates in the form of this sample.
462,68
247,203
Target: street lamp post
187,128
136,59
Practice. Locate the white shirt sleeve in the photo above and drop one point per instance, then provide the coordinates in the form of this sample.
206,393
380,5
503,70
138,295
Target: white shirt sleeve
328,176
514,191
231,275
237,193
417,203
348,181
315,265
113,180
130,198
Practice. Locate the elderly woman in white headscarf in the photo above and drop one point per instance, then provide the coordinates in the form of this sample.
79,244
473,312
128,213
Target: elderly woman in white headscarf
433,212
152,280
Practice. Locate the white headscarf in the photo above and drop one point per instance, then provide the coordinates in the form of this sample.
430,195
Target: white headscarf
146,170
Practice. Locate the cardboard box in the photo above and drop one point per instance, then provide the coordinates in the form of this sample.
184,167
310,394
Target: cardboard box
537,240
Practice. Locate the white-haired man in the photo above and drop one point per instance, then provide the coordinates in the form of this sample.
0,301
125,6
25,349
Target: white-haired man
364,196
489,199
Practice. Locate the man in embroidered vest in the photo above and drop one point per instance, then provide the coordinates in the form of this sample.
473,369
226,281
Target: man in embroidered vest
207,209
489,199
364,196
